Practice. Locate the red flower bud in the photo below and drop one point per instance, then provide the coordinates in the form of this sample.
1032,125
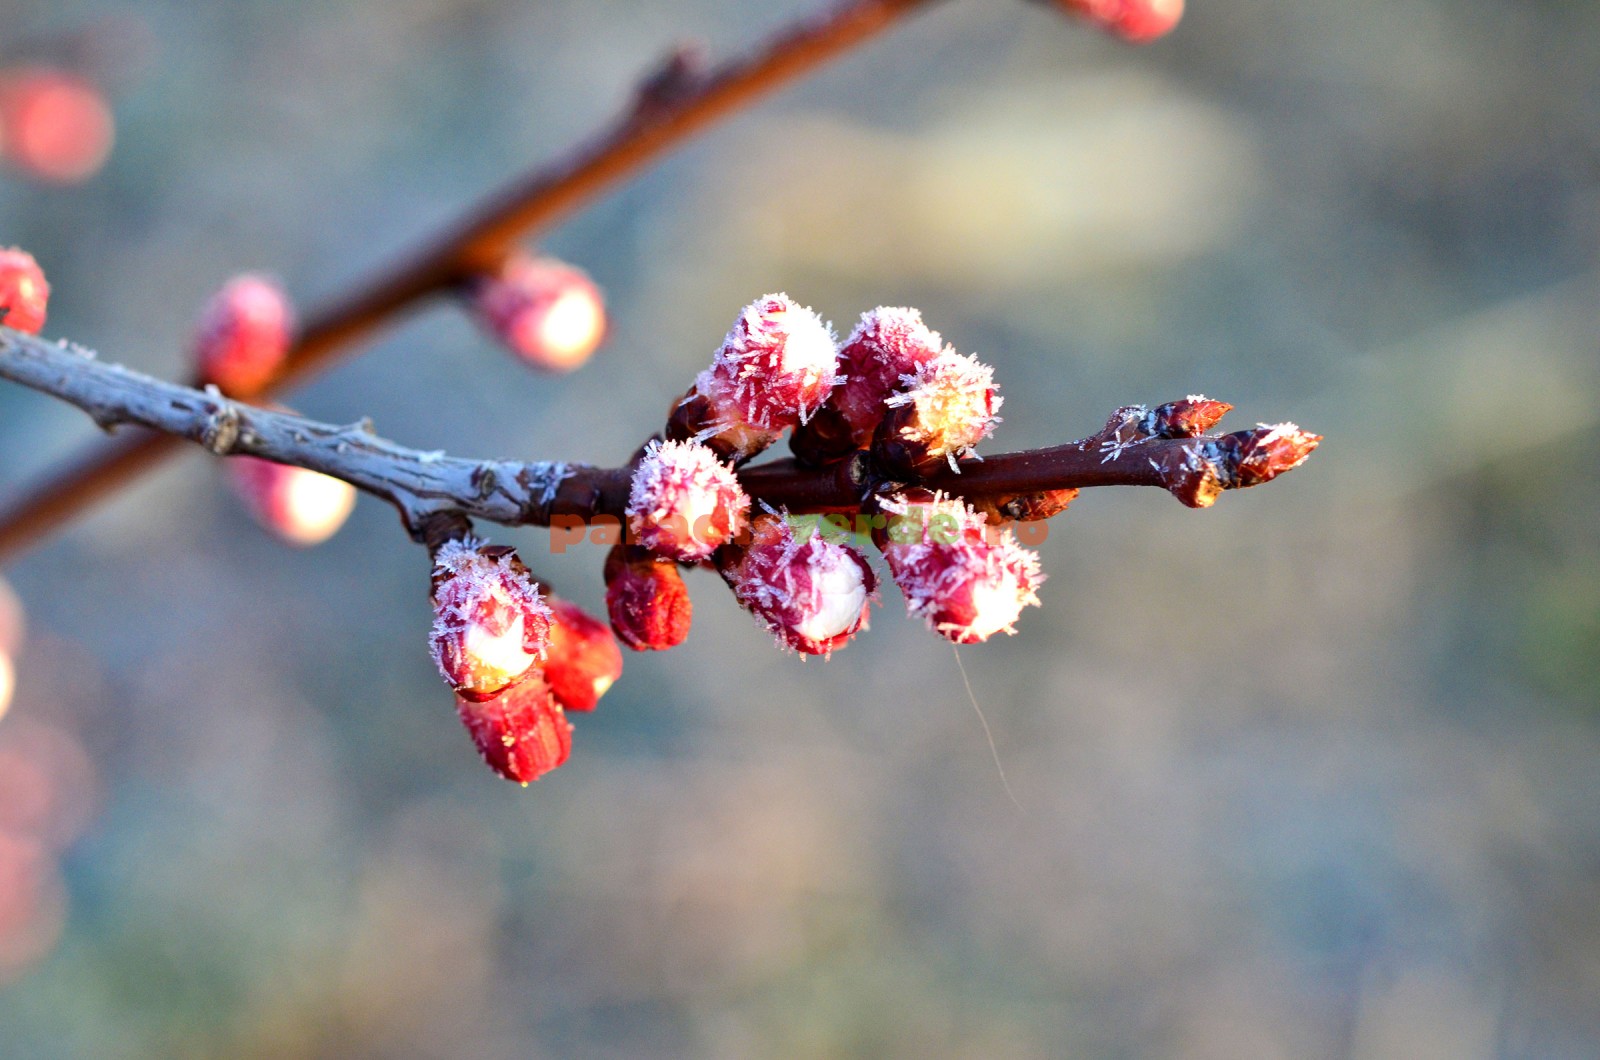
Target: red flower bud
545,311
298,506
522,732
244,335
939,413
685,503
775,368
583,660
887,343
646,599
1268,451
1138,21
812,595
490,622
54,126
1189,418
24,294
969,581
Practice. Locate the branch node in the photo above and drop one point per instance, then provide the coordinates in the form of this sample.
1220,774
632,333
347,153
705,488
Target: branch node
221,431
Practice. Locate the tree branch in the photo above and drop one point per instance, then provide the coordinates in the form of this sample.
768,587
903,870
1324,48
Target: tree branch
423,485
669,107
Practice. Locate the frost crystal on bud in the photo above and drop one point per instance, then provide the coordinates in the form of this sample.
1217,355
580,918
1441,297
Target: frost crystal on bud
1267,452
24,294
969,581
941,411
583,660
812,595
776,367
685,503
522,733
545,311
1138,21
646,600
490,623
243,335
298,506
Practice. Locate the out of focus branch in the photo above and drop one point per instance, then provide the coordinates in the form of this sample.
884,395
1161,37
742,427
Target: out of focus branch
423,485
676,102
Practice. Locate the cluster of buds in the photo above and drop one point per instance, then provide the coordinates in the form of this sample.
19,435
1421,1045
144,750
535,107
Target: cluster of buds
243,336
550,314
1137,21
913,401
968,579
24,293
517,658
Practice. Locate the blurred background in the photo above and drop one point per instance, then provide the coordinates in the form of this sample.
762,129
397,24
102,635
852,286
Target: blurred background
1311,773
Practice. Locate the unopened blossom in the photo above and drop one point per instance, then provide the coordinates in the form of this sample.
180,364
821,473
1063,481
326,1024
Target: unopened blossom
521,732
297,505
1138,21
24,294
547,312
491,624
810,593
940,412
583,660
646,600
684,502
244,335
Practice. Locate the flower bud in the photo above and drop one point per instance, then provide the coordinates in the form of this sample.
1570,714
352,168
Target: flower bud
967,580
244,335
24,294
1189,418
940,412
887,343
298,506
1265,453
583,660
54,126
685,503
8,682
545,311
522,732
490,622
646,600
775,368
1138,21
812,595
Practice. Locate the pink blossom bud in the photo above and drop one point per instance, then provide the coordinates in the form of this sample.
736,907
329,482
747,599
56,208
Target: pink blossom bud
583,660
812,595
887,343
545,311
1138,21
298,506
490,622
941,411
775,368
521,732
646,600
24,294
685,503
8,682
244,335
54,126
968,581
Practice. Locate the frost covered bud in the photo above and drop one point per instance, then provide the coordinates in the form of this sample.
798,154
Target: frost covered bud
1138,21
54,126
545,311
1034,507
490,623
940,412
968,581
1189,418
24,294
811,594
296,505
887,343
774,370
243,335
522,733
583,660
685,503
1265,453
646,600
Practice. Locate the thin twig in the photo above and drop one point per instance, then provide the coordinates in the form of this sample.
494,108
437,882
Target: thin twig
670,106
